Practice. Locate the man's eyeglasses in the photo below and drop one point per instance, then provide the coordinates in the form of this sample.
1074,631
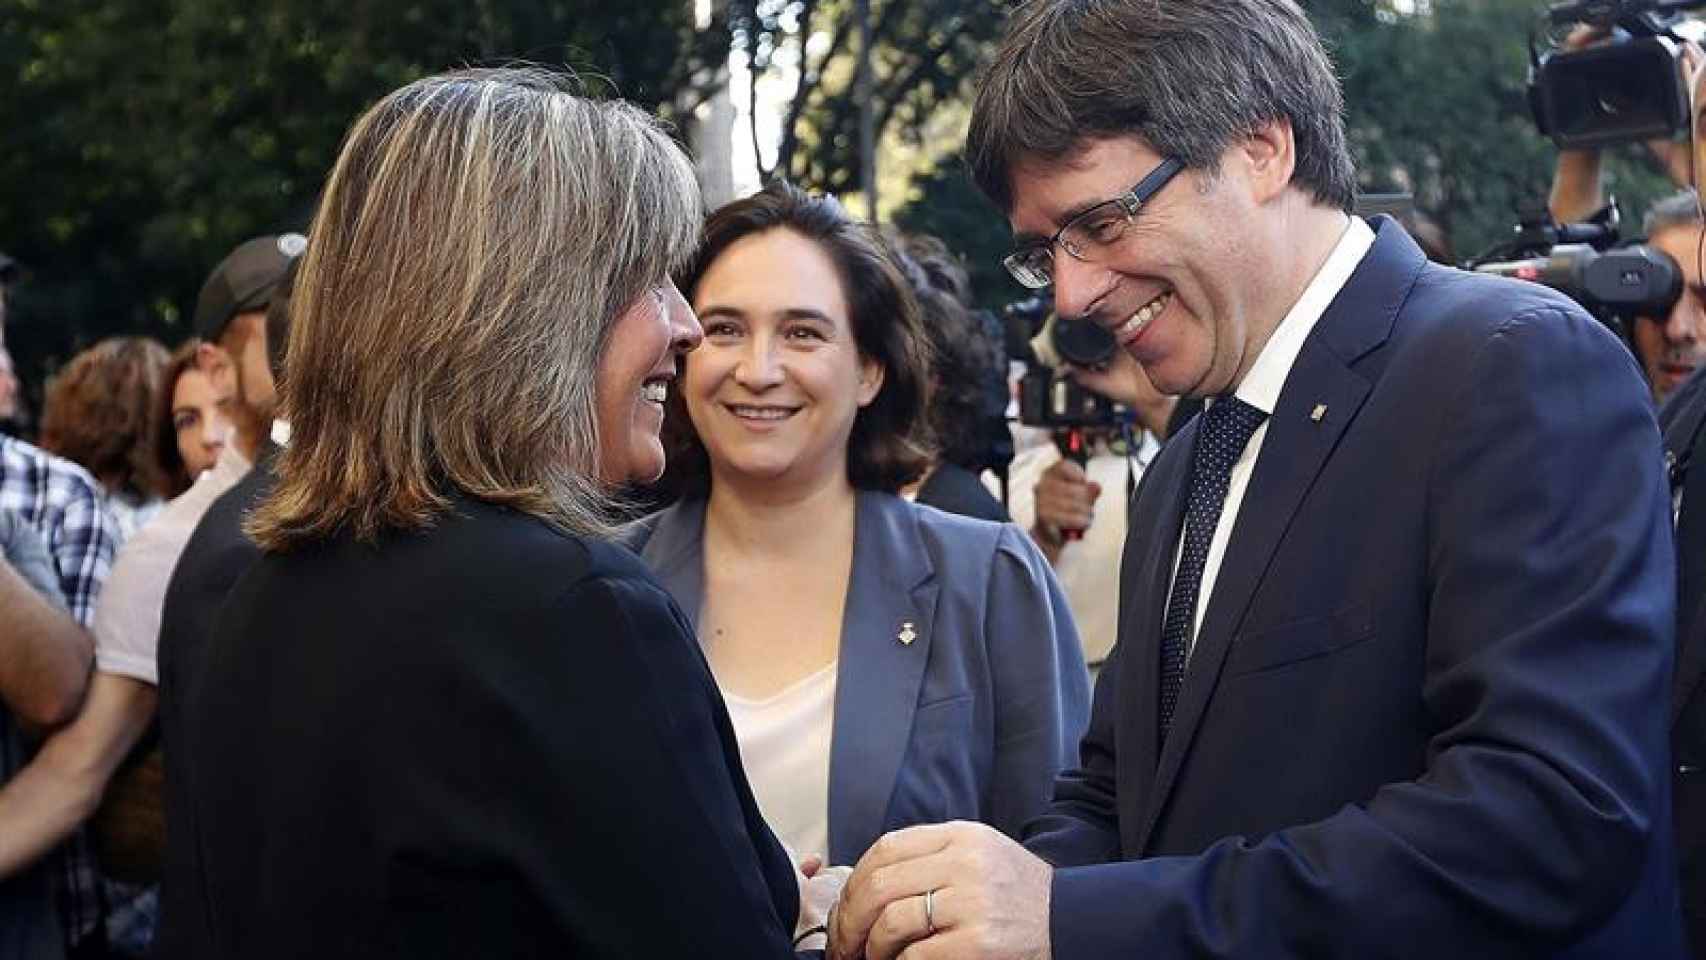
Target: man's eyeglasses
1090,232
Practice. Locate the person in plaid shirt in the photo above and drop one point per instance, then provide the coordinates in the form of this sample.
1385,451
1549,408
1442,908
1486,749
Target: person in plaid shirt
63,504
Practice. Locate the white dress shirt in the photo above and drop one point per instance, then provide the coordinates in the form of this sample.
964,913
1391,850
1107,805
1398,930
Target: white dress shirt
1261,387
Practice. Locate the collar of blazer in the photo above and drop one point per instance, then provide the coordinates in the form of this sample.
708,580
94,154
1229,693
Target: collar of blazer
878,673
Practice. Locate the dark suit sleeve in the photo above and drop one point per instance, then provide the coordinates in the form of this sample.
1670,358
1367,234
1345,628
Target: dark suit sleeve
1042,690
591,793
1550,594
1081,825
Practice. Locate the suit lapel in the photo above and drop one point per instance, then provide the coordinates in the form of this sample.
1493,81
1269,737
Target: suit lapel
879,672
675,550
1690,662
1294,451
1151,542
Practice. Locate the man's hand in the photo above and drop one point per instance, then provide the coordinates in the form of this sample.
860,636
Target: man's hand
988,898
1122,380
1065,500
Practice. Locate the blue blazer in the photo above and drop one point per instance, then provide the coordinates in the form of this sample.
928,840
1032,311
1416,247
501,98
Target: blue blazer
969,721
1425,714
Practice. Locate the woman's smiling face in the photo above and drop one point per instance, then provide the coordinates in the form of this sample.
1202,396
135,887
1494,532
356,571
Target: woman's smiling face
775,388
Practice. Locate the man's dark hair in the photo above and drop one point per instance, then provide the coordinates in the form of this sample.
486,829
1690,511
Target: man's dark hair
890,445
1188,77
1680,209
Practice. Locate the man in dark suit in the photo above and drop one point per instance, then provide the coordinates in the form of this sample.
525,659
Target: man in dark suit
1393,666
1683,419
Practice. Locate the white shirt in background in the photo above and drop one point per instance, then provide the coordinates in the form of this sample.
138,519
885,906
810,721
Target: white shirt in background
127,615
1088,569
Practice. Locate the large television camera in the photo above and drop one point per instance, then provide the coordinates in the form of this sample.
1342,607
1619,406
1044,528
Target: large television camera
1585,262
1629,88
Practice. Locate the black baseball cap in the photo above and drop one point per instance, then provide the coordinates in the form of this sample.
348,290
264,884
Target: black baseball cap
245,280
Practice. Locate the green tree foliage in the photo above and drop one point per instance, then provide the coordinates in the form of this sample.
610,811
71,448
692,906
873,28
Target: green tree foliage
144,138
924,53
1435,106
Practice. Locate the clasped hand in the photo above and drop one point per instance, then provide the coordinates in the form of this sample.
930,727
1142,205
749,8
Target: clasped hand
948,890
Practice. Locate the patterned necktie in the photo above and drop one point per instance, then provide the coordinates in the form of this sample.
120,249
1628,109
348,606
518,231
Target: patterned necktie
1226,427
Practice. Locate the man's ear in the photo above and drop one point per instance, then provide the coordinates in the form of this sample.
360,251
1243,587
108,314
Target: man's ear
1270,153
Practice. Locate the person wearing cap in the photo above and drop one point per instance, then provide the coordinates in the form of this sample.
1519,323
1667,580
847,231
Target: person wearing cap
65,781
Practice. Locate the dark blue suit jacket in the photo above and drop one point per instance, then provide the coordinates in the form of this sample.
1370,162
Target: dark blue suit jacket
970,721
1425,714
1684,422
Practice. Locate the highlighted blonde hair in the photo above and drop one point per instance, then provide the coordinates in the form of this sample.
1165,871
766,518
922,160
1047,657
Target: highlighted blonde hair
478,237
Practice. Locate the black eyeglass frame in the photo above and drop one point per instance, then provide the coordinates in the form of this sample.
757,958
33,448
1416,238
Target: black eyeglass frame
1129,203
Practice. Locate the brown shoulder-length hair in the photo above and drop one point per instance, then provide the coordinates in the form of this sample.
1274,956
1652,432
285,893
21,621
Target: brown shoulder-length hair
99,412
476,240
890,445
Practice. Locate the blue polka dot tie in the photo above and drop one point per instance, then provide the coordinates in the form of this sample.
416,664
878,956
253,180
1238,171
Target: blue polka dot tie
1226,427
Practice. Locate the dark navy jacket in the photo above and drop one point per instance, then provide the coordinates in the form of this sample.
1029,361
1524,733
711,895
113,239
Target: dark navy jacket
1426,712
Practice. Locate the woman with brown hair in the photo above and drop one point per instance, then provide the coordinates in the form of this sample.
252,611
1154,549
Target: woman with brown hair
885,663
441,715
98,413
192,423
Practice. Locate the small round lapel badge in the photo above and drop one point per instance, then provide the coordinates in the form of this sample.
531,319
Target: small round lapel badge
907,634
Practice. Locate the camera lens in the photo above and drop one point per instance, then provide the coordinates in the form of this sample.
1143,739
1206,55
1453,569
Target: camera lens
1082,342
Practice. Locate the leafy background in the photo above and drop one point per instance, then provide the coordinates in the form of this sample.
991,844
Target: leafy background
140,140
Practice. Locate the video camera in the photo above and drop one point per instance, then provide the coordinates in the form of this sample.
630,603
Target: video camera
1628,89
1585,263
1044,342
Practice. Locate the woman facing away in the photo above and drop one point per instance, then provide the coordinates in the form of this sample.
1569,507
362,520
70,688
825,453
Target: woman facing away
442,716
885,663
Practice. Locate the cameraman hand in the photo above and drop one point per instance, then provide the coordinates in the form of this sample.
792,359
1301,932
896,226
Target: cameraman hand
1065,500
1122,380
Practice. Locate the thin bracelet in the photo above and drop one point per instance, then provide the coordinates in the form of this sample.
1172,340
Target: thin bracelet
814,931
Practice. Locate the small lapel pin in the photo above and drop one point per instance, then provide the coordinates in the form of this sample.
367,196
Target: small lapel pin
1319,412
906,634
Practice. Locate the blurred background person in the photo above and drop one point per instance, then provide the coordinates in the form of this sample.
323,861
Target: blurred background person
9,388
411,697
30,930
1672,349
884,663
1673,346
1076,511
967,382
46,651
98,413
193,422
199,454
11,392
217,554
